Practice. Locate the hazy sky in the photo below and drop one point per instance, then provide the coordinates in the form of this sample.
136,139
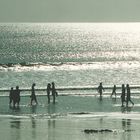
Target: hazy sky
69,10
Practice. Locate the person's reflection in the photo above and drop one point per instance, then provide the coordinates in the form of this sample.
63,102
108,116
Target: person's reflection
51,123
33,127
15,129
14,109
122,109
51,109
126,123
126,109
15,124
51,129
126,126
114,100
33,109
123,127
33,121
101,121
100,98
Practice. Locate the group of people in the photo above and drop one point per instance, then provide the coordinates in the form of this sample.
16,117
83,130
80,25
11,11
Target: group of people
54,92
125,94
14,96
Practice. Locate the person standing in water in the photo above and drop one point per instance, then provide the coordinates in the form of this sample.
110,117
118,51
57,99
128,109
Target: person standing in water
16,96
114,91
48,92
128,97
33,96
11,94
54,93
123,95
100,89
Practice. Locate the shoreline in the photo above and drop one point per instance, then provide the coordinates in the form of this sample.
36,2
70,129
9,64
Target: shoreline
68,118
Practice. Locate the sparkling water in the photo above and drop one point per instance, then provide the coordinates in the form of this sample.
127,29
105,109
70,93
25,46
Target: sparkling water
70,54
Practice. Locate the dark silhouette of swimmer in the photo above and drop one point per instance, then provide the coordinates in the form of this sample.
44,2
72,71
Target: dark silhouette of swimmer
54,93
33,96
123,95
16,96
128,96
11,94
100,89
114,91
48,92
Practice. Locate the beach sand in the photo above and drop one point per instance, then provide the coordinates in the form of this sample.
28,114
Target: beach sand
68,118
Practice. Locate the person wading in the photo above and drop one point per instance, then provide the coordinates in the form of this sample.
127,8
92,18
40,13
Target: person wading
128,97
33,96
48,92
54,93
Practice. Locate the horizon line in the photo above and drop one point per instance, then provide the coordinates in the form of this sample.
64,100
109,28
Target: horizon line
73,22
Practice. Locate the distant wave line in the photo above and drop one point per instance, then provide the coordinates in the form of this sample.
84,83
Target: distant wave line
94,94
31,64
73,88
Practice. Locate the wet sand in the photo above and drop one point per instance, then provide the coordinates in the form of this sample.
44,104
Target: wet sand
68,118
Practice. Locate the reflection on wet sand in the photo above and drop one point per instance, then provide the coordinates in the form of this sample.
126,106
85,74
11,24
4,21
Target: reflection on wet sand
126,126
33,127
33,109
126,109
51,109
51,129
15,129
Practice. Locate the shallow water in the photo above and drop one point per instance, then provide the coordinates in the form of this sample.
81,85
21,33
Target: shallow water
67,129
68,118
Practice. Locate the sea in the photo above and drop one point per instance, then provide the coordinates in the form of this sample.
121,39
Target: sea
70,55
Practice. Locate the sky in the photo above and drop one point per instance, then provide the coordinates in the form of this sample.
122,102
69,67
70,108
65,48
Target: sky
69,10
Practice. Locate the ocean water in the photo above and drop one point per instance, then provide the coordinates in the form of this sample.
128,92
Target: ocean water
71,55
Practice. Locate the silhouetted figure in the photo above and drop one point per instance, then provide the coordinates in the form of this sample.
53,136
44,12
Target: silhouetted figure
11,94
33,96
128,97
100,89
123,95
54,93
48,92
114,91
16,96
